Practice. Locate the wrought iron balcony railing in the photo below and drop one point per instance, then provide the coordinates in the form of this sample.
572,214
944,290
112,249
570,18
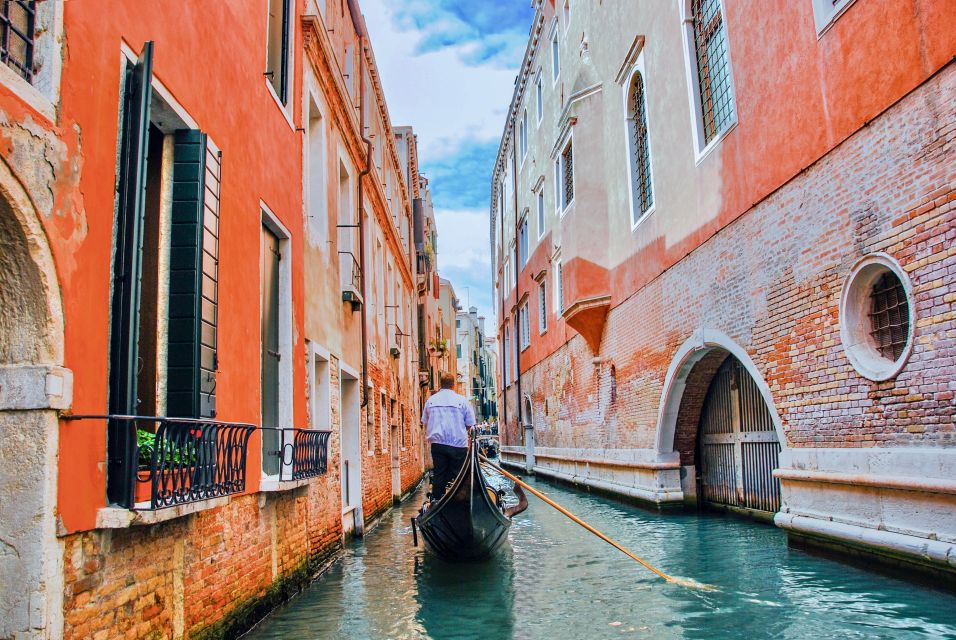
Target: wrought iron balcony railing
176,461
304,453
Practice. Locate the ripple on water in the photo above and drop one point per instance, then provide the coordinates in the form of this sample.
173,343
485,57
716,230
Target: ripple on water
556,581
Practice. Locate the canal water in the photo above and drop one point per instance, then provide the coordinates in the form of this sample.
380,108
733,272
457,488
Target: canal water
556,581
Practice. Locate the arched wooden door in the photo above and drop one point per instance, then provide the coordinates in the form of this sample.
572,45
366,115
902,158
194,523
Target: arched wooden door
738,444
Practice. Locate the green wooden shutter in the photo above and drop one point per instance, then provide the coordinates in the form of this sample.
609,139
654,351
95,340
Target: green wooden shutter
193,278
127,271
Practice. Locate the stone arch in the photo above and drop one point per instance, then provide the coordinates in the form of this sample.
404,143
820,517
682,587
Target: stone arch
686,382
33,388
31,318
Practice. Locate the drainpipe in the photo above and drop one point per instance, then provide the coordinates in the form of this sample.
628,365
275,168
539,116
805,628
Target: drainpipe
359,26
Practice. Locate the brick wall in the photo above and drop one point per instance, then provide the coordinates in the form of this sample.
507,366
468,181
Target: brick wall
772,282
202,573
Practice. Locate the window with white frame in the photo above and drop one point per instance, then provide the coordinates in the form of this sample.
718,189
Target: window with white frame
523,241
506,356
539,98
710,58
564,177
540,206
642,191
559,286
542,306
555,57
524,323
277,58
826,12
523,135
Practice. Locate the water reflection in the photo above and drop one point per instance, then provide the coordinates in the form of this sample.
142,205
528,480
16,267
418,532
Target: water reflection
555,581
460,600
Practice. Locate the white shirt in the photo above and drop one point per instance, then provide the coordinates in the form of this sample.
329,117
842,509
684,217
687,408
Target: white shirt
447,417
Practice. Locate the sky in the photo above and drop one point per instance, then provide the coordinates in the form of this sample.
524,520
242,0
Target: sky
448,70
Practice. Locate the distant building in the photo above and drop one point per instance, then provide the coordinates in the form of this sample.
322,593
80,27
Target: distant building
721,242
475,378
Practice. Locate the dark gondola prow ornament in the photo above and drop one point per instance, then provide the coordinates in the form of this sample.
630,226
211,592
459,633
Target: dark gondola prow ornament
468,522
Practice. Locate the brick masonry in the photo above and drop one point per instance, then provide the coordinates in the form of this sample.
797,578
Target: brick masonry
772,281
205,574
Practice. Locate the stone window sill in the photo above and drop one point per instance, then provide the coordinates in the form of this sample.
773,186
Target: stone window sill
271,485
119,518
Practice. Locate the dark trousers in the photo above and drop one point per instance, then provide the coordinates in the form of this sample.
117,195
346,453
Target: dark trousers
446,463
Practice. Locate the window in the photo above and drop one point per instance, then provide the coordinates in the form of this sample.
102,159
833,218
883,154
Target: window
559,286
564,177
523,135
714,88
457,323
523,241
144,378
458,349
542,307
540,203
642,194
889,316
277,57
370,422
877,317
555,57
383,421
17,26
826,12
539,98
318,223
506,356
524,324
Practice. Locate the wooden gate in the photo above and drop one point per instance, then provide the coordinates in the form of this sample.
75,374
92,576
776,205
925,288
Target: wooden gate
738,444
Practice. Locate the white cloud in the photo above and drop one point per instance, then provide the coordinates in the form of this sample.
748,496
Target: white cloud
463,239
446,100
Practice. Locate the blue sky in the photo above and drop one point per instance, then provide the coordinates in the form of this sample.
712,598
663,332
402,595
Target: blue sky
448,69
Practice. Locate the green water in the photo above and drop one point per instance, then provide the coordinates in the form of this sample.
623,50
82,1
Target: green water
556,581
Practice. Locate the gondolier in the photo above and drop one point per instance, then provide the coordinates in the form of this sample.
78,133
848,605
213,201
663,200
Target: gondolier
447,417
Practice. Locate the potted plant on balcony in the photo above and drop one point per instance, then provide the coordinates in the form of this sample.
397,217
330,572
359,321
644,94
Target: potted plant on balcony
438,346
177,461
145,444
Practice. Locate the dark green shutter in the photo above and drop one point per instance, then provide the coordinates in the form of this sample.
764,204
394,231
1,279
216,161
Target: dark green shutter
193,279
127,271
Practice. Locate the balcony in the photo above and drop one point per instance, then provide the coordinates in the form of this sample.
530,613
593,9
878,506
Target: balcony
155,463
304,453
351,279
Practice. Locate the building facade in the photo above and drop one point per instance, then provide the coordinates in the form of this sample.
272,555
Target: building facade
721,245
207,303
475,378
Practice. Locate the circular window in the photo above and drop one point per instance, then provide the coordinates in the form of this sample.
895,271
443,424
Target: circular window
876,312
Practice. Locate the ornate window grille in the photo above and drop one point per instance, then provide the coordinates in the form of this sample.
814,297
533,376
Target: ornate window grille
567,174
889,316
640,148
713,68
17,24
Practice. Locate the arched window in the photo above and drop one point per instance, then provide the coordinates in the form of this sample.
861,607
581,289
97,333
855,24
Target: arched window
641,186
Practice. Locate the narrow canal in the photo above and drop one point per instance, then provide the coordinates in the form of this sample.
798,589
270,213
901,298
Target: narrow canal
557,581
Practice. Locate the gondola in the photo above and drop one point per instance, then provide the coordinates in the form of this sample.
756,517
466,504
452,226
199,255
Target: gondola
468,523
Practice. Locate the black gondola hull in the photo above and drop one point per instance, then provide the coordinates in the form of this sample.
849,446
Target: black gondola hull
467,523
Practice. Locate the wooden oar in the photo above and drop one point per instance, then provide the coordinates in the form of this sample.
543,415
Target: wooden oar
684,582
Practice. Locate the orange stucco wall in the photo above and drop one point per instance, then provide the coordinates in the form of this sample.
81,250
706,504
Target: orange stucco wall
261,161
